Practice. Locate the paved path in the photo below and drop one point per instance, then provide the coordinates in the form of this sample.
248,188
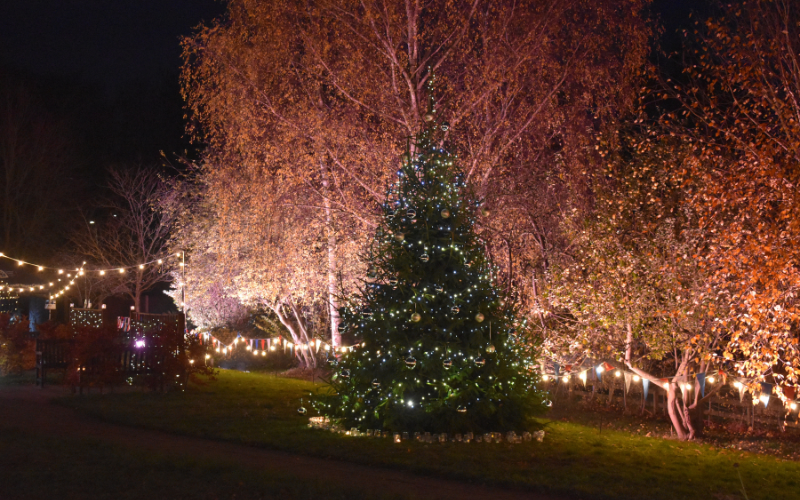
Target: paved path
29,408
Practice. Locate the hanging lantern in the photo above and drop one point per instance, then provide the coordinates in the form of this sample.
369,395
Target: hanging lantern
480,361
411,362
479,318
447,364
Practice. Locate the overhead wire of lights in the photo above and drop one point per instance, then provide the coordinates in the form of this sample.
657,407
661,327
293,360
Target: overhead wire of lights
78,272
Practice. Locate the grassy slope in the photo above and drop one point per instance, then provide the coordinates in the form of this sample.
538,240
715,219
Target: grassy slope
574,459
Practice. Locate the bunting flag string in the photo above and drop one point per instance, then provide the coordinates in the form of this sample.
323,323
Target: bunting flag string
682,382
262,346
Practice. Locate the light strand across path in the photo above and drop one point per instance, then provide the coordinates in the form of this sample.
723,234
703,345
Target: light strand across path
101,271
78,272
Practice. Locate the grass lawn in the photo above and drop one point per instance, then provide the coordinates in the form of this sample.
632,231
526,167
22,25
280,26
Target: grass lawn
574,460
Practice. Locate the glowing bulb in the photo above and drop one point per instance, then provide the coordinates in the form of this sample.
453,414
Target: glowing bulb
764,398
793,406
19,262
565,379
600,369
546,378
178,254
141,266
737,384
121,270
617,373
40,268
710,380
60,271
636,378
160,261
102,273
208,356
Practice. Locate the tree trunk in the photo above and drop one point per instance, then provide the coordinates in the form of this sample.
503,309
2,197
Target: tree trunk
333,303
673,412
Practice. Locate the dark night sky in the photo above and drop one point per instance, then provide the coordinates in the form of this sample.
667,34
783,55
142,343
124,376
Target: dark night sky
106,42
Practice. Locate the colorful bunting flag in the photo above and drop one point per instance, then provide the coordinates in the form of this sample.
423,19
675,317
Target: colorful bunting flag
701,379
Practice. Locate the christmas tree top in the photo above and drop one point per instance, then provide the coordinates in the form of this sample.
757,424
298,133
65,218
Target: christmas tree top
436,347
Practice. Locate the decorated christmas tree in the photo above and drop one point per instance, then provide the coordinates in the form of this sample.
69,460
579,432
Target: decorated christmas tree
437,347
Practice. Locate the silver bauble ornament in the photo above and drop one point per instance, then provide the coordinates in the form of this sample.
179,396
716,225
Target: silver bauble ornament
480,361
455,309
375,383
301,411
447,364
411,362
462,409
411,213
424,257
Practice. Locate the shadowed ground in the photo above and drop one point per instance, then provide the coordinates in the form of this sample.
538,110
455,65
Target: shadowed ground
42,443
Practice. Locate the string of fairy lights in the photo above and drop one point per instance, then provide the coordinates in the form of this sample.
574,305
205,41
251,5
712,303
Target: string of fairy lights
682,382
270,345
66,277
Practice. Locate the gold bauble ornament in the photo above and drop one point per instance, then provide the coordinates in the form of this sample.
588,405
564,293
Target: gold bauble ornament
445,213
479,318
416,317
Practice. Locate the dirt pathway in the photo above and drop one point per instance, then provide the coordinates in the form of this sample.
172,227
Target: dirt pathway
29,408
